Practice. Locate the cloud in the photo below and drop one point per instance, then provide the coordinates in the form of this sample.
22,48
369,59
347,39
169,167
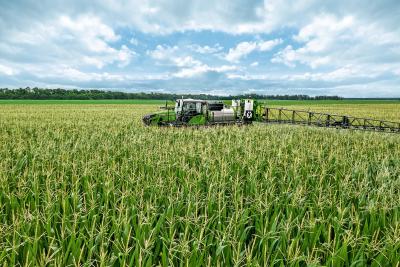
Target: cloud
165,17
162,52
320,37
187,61
124,56
268,45
244,48
134,41
93,61
287,56
329,46
94,38
201,69
83,40
173,56
205,49
89,29
7,70
331,41
241,50
231,16
348,72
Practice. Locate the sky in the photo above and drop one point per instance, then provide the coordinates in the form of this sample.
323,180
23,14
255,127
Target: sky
348,48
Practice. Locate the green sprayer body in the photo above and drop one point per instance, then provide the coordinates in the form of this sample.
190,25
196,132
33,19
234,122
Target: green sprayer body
195,112
192,112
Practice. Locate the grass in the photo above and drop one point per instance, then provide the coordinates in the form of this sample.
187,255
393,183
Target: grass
89,185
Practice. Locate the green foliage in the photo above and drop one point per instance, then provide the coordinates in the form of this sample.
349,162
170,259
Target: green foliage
163,116
198,120
44,93
270,102
90,185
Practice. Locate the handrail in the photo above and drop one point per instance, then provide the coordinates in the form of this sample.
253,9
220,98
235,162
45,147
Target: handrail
290,116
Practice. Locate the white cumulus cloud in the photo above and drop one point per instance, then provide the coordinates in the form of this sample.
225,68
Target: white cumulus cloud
7,70
330,46
162,52
206,49
201,69
244,48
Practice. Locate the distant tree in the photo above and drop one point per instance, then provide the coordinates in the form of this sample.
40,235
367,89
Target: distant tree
44,93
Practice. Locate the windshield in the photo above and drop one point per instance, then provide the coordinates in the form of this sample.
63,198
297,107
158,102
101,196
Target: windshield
189,106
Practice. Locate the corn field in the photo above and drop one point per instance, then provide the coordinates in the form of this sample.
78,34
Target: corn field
90,185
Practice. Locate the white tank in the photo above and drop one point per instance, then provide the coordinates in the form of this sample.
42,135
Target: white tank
248,109
222,116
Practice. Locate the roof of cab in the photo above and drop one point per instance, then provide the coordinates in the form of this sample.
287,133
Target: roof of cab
193,100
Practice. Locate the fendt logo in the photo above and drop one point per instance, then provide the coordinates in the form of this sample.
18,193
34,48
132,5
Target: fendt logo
249,114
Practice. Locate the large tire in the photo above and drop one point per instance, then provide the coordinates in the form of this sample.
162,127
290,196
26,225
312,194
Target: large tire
147,119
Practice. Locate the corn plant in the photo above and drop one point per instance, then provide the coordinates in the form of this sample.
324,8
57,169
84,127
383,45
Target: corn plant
90,185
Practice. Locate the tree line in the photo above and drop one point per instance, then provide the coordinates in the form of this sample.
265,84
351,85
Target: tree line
44,93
